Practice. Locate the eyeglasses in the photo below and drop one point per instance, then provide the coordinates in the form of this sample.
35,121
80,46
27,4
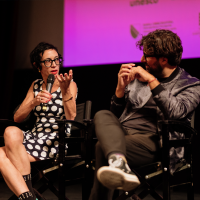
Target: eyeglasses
48,62
146,55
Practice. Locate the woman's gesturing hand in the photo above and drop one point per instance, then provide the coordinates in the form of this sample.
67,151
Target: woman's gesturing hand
65,80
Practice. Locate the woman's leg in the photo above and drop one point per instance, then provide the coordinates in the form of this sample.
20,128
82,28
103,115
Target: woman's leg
15,161
15,150
11,175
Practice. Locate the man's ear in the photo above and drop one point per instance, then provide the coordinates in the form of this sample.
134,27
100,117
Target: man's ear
164,60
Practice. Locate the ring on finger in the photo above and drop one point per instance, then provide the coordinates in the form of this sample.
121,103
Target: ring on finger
40,98
42,91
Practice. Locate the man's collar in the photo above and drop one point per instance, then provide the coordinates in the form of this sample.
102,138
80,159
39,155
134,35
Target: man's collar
171,77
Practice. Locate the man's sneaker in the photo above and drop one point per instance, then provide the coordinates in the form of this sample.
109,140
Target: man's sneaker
118,175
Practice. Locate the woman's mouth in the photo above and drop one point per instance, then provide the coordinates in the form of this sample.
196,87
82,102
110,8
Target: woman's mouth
54,71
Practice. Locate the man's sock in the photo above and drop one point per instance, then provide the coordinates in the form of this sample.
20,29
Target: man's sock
115,156
27,179
26,195
118,160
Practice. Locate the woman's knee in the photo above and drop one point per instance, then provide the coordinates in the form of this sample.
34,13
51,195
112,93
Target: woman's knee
12,136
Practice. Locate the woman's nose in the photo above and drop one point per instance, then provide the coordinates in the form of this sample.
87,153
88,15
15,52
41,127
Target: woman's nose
53,63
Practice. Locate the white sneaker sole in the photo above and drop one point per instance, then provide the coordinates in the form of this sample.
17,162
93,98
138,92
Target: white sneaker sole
114,178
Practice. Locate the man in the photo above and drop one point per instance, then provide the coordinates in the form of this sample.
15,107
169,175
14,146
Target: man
162,91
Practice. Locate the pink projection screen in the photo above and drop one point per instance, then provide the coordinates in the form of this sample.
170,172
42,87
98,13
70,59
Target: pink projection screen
100,32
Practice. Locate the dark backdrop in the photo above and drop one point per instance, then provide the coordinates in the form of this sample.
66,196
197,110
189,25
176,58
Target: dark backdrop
23,24
96,83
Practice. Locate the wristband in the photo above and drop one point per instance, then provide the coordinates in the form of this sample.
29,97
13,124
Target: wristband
152,81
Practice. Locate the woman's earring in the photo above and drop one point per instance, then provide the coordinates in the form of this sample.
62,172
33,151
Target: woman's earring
38,70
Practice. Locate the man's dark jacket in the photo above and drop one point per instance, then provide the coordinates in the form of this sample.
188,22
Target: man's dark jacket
176,99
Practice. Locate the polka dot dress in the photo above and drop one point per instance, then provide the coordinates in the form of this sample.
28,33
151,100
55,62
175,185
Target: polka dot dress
42,140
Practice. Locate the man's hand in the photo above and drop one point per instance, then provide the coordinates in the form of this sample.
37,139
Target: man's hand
124,78
141,74
128,72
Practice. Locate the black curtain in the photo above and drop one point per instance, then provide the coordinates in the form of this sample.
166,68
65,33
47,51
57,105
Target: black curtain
8,27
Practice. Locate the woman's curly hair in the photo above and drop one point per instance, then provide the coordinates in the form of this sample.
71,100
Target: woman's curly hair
38,51
162,43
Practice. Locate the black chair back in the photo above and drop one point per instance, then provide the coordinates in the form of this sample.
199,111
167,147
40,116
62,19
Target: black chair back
83,113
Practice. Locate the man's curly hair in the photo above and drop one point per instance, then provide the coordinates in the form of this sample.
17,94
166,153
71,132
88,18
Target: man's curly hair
162,43
38,51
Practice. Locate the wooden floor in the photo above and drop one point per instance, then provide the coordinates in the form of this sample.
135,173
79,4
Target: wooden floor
73,192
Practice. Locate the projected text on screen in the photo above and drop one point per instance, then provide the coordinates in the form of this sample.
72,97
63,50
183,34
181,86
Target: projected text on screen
106,31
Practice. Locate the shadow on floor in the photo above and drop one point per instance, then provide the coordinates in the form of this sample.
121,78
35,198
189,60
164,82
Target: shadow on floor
73,192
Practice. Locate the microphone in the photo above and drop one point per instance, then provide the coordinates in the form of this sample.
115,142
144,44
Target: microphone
50,81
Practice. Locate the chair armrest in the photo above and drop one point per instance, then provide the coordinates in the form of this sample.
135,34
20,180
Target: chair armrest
178,125
170,164
72,122
88,121
8,122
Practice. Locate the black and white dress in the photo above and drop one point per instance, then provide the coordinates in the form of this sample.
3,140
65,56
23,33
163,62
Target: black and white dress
42,140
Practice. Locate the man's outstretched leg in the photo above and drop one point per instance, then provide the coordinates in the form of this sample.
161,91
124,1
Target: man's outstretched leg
120,148
111,136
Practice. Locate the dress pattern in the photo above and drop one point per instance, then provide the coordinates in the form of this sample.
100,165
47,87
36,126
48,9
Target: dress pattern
42,140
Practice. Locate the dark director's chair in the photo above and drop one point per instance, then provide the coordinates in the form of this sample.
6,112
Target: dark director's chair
81,123
81,135
155,174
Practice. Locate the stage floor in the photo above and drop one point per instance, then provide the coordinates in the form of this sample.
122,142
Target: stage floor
73,192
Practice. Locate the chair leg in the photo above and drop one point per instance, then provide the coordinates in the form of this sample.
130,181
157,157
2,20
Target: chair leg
42,188
150,190
190,188
115,194
190,192
87,183
38,195
166,191
143,194
61,159
126,195
156,196
135,197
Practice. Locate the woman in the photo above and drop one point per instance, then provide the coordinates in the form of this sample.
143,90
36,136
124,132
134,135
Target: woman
41,142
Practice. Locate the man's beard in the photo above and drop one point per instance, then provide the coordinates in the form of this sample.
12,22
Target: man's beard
156,71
